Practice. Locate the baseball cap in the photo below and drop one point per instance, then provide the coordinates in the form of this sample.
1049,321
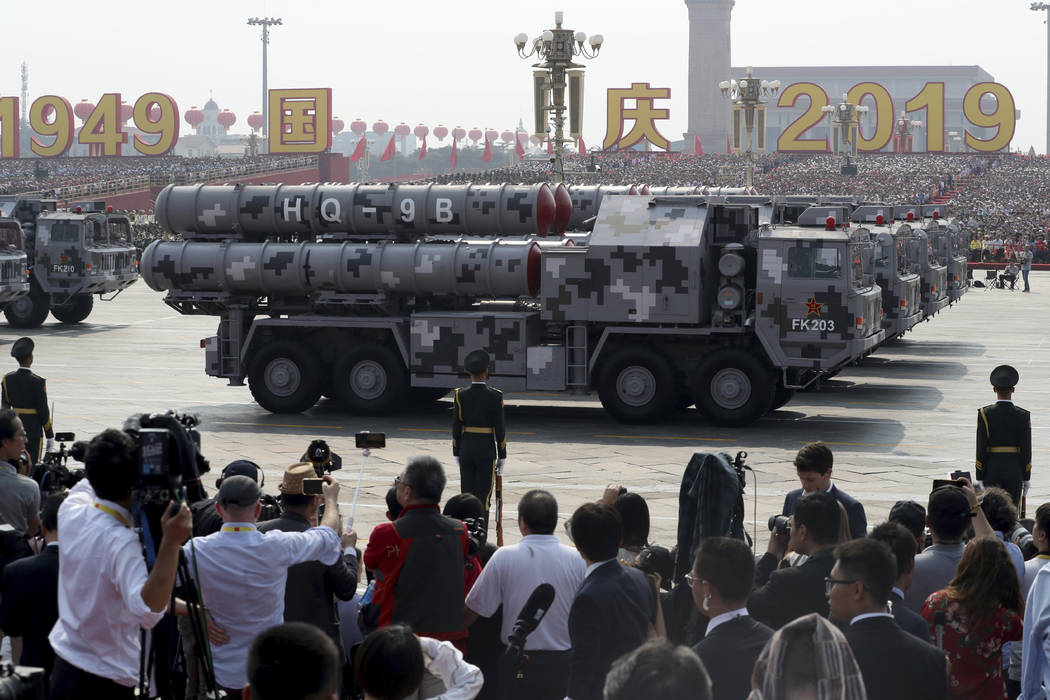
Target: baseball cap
240,467
949,502
238,490
909,514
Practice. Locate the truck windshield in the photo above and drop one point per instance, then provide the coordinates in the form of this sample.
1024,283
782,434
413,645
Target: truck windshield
9,237
98,233
63,231
814,263
902,256
861,266
882,254
119,231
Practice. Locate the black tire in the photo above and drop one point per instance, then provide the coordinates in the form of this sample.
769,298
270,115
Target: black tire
638,385
29,311
284,377
427,394
78,308
733,387
370,379
781,396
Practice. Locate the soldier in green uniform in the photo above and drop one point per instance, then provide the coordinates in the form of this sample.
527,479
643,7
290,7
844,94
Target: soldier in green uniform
1004,438
479,438
26,393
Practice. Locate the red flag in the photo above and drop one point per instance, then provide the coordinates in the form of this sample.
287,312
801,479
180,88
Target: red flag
729,147
519,147
423,149
359,150
698,148
487,155
583,148
388,152
550,146
452,157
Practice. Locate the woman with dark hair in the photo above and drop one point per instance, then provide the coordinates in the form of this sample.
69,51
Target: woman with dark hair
389,665
634,514
982,609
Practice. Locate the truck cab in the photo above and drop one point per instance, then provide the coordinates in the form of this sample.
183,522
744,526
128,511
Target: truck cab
901,299
14,281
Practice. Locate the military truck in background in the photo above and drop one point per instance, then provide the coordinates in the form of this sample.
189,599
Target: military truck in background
926,258
672,300
71,255
901,297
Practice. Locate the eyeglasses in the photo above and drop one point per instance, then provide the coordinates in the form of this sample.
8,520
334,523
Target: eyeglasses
691,580
830,583
400,481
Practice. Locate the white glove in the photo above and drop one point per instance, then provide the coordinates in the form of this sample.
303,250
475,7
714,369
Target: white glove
50,447
1027,485
500,462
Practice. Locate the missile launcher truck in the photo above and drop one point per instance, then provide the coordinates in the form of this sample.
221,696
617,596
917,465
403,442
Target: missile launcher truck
672,300
71,255
895,247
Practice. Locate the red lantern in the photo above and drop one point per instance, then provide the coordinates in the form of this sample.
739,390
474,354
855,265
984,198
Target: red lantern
194,116
255,121
126,112
402,130
458,133
154,112
337,125
226,118
474,134
380,127
507,136
491,135
421,131
358,126
441,132
83,110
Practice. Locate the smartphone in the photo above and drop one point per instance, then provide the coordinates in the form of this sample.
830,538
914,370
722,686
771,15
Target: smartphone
965,475
937,483
313,487
65,437
367,440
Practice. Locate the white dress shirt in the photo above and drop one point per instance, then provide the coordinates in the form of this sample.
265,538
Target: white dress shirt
462,681
865,616
242,573
100,580
724,617
511,576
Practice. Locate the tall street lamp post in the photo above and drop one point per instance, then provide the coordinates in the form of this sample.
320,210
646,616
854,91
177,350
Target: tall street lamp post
265,23
748,96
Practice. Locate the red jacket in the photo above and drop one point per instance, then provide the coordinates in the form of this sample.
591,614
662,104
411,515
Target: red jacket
418,561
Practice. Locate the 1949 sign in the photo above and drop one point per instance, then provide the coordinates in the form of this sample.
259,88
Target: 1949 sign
930,99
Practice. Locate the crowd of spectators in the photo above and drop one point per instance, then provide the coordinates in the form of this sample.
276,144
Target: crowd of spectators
928,604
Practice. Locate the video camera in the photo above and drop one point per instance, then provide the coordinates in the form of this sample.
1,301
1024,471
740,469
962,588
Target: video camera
320,455
52,474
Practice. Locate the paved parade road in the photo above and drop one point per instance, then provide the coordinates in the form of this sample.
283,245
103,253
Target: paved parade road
906,415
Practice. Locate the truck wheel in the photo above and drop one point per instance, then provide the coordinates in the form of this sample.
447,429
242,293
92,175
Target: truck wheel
76,310
637,385
733,388
284,378
28,311
427,394
370,379
781,396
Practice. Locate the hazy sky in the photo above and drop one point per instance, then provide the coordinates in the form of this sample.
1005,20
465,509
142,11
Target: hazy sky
454,62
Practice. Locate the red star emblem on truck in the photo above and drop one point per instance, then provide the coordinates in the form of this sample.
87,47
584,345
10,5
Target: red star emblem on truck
813,307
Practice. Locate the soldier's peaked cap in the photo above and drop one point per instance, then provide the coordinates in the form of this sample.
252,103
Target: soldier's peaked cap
1004,377
476,362
22,348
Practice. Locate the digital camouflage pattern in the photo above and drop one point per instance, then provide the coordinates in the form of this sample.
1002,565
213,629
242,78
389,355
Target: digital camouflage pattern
14,282
78,254
893,272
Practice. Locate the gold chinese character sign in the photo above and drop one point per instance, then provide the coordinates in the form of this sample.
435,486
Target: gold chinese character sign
300,120
643,113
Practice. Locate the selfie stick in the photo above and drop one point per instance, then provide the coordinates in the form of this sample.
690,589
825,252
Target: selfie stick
361,475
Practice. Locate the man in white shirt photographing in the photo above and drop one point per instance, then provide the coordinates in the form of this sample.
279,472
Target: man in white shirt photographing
105,594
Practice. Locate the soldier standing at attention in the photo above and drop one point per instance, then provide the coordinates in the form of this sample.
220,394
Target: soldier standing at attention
1004,438
479,437
26,393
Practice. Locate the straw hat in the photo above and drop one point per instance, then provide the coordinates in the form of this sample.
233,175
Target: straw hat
292,481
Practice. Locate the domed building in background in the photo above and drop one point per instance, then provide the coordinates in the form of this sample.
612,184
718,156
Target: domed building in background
211,135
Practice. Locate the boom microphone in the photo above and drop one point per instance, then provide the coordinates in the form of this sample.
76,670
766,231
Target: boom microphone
529,618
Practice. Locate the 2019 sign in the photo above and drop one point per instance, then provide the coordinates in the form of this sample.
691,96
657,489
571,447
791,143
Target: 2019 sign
930,99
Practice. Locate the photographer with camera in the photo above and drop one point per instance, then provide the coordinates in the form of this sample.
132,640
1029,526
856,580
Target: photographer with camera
105,594
206,518
242,572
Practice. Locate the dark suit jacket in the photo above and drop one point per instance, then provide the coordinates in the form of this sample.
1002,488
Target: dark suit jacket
784,594
909,620
308,595
858,521
895,664
29,605
729,654
610,616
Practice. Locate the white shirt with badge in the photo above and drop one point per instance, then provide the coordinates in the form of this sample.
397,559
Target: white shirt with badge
242,574
100,580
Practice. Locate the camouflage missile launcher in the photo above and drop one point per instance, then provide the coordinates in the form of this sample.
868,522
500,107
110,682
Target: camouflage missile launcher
362,212
951,247
673,300
71,256
901,297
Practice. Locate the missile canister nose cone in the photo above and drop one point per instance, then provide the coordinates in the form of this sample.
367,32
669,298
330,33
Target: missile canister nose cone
633,189
563,212
546,209
644,189
533,266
